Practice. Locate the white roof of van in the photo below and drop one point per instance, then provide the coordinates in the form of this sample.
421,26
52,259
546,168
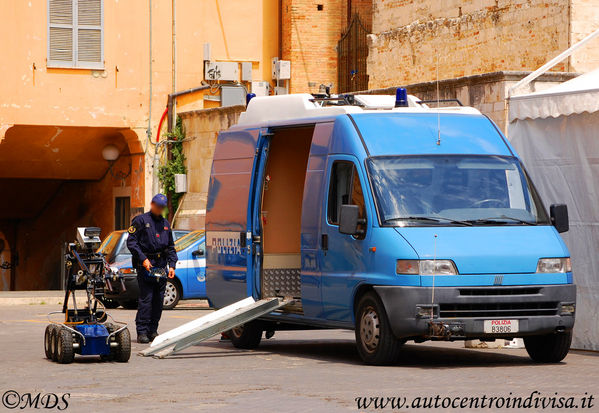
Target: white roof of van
268,109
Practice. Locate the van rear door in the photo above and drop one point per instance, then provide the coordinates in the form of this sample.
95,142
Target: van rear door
228,217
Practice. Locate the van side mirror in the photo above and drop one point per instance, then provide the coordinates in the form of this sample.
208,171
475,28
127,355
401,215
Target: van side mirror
198,253
349,219
559,217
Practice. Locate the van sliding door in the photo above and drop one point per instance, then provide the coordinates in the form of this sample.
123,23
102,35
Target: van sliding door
311,239
228,246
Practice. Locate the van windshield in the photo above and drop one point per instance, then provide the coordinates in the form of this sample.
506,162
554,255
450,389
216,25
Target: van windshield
454,190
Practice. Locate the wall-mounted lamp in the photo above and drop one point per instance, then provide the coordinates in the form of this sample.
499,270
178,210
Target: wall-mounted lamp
110,153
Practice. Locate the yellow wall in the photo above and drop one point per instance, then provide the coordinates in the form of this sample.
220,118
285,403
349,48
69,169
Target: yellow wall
118,96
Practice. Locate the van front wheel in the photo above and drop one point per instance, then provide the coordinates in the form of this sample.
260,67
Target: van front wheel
246,336
376,343
550,348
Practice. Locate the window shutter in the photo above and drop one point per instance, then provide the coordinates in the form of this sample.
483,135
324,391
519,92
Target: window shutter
60,31
89,31
76,33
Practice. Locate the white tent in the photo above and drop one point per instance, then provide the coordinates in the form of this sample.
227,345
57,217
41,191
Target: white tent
556,132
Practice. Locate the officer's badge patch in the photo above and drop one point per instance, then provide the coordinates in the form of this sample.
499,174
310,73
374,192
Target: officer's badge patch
147,225
131,229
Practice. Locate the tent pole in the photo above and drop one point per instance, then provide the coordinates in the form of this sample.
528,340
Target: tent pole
541,70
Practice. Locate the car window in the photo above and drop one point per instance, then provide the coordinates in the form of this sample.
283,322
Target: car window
188,239
124,249
179,233
110,243
345,189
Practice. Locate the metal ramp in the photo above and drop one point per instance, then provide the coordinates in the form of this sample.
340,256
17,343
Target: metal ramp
212,324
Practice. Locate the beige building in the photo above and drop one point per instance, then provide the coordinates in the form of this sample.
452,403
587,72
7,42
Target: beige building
84,86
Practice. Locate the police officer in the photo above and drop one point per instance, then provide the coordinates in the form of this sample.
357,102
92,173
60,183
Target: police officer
151,244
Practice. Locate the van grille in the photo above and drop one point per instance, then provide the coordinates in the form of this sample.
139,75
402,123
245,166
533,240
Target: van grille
498,310
500,291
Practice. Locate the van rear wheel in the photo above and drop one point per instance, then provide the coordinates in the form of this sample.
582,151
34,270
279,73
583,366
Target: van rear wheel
375,341
549,348
246,336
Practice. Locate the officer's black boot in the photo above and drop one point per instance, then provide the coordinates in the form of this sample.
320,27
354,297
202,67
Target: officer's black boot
153,335
142,339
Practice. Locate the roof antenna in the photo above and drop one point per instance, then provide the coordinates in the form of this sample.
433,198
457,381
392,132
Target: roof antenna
438,105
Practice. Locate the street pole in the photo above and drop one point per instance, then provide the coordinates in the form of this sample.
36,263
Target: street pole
173,102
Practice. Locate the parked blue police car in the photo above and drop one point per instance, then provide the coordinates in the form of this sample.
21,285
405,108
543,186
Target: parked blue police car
189,281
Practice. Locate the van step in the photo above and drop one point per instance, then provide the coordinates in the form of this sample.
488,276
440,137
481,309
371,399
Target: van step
212,324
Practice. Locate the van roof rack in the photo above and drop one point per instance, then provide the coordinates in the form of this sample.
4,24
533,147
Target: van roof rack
279,109
340,100
430,101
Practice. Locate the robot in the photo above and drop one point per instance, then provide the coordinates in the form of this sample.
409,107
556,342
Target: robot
86,331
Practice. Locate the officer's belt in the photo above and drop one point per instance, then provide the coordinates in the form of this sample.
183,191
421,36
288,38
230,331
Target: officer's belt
158,254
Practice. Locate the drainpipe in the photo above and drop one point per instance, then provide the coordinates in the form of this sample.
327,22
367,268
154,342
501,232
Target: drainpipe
174,53
170,103
149,130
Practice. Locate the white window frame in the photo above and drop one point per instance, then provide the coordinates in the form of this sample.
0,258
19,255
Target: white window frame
75,63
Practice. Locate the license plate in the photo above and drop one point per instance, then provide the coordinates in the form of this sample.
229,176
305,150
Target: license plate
501,326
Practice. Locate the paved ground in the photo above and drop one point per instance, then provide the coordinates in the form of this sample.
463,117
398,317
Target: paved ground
292,372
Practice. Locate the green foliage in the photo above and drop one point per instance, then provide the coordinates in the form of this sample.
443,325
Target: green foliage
166,173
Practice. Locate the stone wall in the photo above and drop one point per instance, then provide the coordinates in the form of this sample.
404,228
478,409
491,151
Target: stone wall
202,128
466,37
584,20
486,92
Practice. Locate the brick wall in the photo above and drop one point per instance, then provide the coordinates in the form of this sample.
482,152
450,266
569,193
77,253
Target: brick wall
466,36
363,8
310,32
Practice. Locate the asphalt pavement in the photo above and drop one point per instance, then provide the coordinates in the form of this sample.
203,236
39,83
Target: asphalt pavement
296,371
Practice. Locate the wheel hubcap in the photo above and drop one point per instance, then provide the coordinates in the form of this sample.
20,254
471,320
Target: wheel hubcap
369,329
170,293
237,331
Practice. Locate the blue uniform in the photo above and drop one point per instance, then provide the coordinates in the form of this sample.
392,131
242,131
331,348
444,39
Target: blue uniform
150,237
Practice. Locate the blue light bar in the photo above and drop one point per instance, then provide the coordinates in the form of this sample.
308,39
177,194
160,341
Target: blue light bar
401,97
249,97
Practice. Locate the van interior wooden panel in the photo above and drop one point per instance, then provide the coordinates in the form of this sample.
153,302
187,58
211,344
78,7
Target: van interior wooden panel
284,190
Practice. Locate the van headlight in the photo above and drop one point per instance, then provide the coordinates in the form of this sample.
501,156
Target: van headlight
554,265
425,267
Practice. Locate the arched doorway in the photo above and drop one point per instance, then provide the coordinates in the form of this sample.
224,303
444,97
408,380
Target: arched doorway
58,178
5,263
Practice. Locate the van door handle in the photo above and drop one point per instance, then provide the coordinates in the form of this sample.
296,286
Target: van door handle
324,242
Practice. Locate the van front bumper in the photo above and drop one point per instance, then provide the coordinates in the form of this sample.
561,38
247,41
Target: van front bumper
460,312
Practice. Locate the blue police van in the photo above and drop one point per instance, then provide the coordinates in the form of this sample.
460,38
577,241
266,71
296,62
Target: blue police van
386,216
